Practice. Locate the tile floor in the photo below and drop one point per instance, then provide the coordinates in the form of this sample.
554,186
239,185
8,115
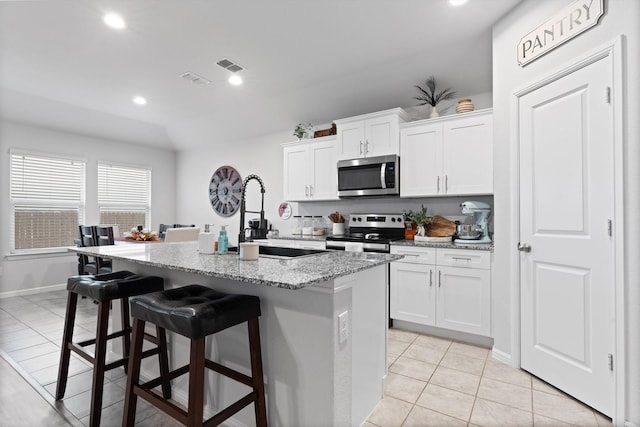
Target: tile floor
431,381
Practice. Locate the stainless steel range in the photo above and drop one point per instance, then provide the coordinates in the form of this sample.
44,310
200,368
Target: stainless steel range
369,233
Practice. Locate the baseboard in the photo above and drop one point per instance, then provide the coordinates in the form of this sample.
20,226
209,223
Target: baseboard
478,340
502,356
33,291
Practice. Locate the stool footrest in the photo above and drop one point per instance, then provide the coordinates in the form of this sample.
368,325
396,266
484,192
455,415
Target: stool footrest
111,336
227,412
169,376
228,372
165,405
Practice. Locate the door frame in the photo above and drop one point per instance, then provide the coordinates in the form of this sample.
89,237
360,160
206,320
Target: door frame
614,50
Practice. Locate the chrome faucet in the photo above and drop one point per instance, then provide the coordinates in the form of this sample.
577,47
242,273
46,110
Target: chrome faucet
243,206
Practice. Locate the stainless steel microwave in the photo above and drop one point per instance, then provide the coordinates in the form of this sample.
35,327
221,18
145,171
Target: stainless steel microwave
369,176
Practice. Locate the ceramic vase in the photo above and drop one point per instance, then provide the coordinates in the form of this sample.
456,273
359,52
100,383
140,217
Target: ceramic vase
434,113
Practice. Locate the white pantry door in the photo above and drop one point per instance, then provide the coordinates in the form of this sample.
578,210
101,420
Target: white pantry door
566,203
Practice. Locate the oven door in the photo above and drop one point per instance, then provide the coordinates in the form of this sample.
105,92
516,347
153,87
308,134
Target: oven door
372,176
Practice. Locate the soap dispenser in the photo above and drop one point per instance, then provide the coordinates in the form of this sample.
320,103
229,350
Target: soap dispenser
206,241
223,241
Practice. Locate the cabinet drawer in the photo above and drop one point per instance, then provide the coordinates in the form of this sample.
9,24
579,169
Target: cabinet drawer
415,255
464,258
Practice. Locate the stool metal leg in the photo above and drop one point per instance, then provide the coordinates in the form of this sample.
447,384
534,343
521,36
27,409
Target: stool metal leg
133,377
99,362
196,383
67,338
257,373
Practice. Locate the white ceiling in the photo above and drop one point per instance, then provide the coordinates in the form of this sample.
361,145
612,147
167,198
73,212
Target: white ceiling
306,61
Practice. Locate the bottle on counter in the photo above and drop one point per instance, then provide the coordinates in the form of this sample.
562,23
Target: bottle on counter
206,240
223,241
297,225
307,225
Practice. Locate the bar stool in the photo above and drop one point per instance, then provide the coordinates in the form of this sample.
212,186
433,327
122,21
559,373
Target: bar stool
104,288
195,312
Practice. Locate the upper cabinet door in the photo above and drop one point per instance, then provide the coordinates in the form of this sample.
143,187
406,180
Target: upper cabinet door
324,179
381,136
468,155
421,160
351,140
296,172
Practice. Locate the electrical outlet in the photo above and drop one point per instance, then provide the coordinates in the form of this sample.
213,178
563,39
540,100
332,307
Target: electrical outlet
343,327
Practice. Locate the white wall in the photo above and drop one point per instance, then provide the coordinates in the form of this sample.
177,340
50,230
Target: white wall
622,17
23,273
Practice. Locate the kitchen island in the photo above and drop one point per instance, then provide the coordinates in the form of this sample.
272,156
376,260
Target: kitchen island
323,329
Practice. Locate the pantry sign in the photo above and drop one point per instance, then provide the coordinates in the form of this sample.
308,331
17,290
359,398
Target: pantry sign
574,19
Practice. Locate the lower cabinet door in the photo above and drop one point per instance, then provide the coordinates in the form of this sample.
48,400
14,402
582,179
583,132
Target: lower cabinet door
412,293
464,300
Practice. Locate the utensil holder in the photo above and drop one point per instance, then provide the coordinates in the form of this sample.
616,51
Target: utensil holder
338,228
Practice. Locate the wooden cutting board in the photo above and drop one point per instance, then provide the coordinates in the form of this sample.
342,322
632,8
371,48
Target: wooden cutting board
441,227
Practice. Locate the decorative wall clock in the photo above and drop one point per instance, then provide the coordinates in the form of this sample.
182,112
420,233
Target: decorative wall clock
225,190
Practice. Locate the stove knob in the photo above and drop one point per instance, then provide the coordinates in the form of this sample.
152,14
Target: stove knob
393,220
359,218
399,219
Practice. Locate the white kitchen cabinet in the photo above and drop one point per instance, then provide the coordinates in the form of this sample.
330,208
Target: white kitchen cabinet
412,295
310,171
447,156
374,134
442,287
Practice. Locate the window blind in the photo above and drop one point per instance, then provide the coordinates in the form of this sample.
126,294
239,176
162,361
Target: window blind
124,195
46,199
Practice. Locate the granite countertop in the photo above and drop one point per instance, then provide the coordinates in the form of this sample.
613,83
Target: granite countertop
284,273
299,237
447,245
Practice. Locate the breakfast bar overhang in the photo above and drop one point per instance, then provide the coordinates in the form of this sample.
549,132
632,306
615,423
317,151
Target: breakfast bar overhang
323,328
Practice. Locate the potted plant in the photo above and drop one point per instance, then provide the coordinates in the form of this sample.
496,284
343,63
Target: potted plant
432,97
301,129
421,219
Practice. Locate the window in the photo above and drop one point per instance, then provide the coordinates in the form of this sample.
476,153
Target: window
46,199
124,196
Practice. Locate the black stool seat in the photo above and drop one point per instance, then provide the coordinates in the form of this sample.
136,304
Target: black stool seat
195,311
110,286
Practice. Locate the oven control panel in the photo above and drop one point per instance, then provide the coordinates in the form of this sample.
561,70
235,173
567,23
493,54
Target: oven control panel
376,220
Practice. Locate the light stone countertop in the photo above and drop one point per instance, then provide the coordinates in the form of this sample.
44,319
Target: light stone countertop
447,245
284,273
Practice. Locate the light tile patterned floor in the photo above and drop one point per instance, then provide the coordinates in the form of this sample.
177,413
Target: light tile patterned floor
431,381
438,382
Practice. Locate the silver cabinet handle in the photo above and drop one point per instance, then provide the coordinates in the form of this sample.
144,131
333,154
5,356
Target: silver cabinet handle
438,189
439,278
310,190
306,191
446,183
461,258
366,147
430,278
361,145
523,247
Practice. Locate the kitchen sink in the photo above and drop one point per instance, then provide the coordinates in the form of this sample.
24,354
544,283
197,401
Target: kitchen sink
281,252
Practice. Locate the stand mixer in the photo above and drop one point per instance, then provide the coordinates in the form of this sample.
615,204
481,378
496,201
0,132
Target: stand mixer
481,211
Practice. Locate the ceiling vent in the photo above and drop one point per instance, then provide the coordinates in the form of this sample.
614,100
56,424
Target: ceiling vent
229,65
194,78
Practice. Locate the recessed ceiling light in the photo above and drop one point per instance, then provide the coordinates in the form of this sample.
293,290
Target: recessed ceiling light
140,100
114,21
457,2
235,80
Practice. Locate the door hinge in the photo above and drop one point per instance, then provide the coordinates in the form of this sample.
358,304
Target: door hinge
608,95
610,357
610,227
